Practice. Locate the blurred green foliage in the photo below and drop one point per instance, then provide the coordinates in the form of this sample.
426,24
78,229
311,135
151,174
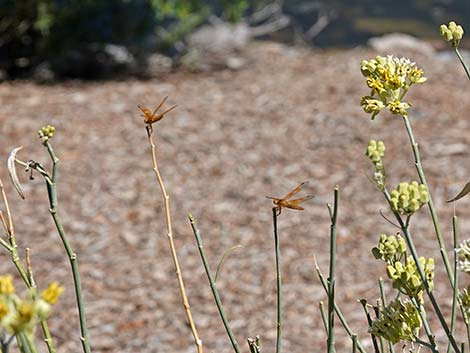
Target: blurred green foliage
33,31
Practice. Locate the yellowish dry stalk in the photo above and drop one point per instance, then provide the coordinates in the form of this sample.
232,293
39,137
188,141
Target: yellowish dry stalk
179,275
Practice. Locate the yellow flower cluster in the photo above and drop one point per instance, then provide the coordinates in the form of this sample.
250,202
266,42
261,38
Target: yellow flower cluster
46,132
406,278
376,151
23,314
452,33
390,248
465,300
398,321
408,198
389,79
463,253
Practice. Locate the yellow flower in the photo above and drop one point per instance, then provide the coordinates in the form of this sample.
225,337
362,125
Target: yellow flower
52,293
371,105
24,316
6,285
389,78
452,33
397,107
4,310
375,84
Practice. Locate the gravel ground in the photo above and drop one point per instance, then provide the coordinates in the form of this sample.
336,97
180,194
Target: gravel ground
290,115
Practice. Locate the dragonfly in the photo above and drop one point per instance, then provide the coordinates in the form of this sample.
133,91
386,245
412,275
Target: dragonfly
284,202
149,117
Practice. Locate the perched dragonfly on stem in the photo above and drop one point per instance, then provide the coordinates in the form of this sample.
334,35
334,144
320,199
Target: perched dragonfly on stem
150,118
284,202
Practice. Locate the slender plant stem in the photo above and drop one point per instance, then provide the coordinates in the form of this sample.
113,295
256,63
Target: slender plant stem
278,282
384,303
354,343
338,311
427,328
414,254
213,286
331,278
462,61
455,296
369,321
432,209
53,203
22,344
12,248
222,260
323,316
179,275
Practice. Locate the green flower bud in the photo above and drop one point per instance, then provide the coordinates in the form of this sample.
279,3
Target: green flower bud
46,133
389,249
406,277
452,33
408,198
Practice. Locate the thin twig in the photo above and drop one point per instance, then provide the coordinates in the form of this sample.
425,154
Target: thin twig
278,283
331,278
338,311
213,285
222,260
432,209
384,303
462,61
166,200
51,183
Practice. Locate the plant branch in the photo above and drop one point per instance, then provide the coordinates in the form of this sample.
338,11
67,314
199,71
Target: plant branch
331,278
338,311
213,285
278,282
53,209
432,209
166,200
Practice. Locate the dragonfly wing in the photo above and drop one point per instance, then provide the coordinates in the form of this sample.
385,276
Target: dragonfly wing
293,206
302,199
294,191
160,105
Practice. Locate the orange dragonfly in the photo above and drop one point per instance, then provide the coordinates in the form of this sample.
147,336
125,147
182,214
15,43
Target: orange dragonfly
150,118
292,204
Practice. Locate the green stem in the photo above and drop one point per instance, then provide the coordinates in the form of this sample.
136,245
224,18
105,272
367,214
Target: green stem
432,209
338,311
321,306
278,283
435,220
331,277
462,61
213,286
427,328
354,343
384,304
414,254
455,296
369,322
52,193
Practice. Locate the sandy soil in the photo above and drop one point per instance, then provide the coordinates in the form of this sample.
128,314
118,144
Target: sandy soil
291,115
